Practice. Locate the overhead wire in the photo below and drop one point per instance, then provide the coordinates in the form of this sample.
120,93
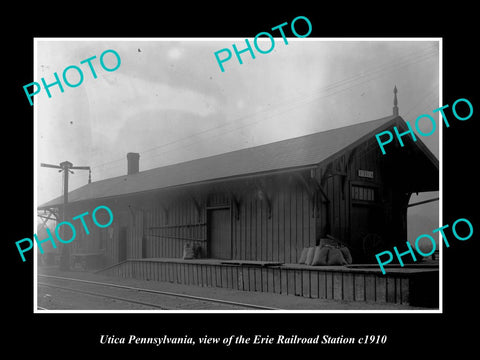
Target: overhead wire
303,100
341,85
276,113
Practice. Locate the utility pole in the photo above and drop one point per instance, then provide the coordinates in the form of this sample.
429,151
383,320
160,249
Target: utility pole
66,167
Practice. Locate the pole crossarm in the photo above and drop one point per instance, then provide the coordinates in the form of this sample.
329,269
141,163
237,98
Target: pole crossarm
51,166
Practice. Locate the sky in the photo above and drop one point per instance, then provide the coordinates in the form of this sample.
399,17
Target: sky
170,102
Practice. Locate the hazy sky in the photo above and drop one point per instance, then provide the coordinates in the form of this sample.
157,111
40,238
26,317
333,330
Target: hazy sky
170,102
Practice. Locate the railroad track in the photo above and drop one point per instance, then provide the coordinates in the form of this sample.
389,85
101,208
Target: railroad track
158,294
103,296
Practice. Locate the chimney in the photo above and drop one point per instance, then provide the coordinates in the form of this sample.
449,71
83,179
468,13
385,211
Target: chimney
133,163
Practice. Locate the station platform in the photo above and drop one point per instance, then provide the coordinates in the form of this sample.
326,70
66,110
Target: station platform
413,285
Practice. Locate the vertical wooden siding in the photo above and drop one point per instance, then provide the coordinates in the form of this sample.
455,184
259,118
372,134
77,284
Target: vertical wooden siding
337,177
310,283
280,237
255,235
182,223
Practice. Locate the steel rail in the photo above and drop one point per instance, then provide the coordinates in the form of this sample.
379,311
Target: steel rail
200,298
104,295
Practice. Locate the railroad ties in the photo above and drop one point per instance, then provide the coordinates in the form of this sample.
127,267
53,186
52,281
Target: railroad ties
145,298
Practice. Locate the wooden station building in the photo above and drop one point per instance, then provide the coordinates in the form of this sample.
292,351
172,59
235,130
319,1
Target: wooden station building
252,211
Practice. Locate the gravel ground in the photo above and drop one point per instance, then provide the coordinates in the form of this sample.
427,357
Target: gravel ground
62,299
59,299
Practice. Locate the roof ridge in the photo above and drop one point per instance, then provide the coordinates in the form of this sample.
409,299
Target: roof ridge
386,118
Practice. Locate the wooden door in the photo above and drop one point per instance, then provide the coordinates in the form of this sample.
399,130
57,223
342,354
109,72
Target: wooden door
219,233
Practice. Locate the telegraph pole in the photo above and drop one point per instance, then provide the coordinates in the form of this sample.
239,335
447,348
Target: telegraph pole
66,167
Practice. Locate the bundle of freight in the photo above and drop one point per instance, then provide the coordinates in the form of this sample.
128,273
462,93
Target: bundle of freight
330,251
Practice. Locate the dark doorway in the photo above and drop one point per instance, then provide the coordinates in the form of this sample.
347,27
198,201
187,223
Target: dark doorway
122,244
219,233
367,229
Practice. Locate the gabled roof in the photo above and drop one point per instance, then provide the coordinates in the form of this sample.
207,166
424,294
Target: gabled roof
301,152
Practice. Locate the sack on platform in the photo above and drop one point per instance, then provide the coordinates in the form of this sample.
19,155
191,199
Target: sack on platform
335,257
321,256
310,254
330,241
303,256
188,252
346,254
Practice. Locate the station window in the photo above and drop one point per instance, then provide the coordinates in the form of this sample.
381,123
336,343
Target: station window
363,193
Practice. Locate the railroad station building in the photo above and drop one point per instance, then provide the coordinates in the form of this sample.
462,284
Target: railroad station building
251,212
